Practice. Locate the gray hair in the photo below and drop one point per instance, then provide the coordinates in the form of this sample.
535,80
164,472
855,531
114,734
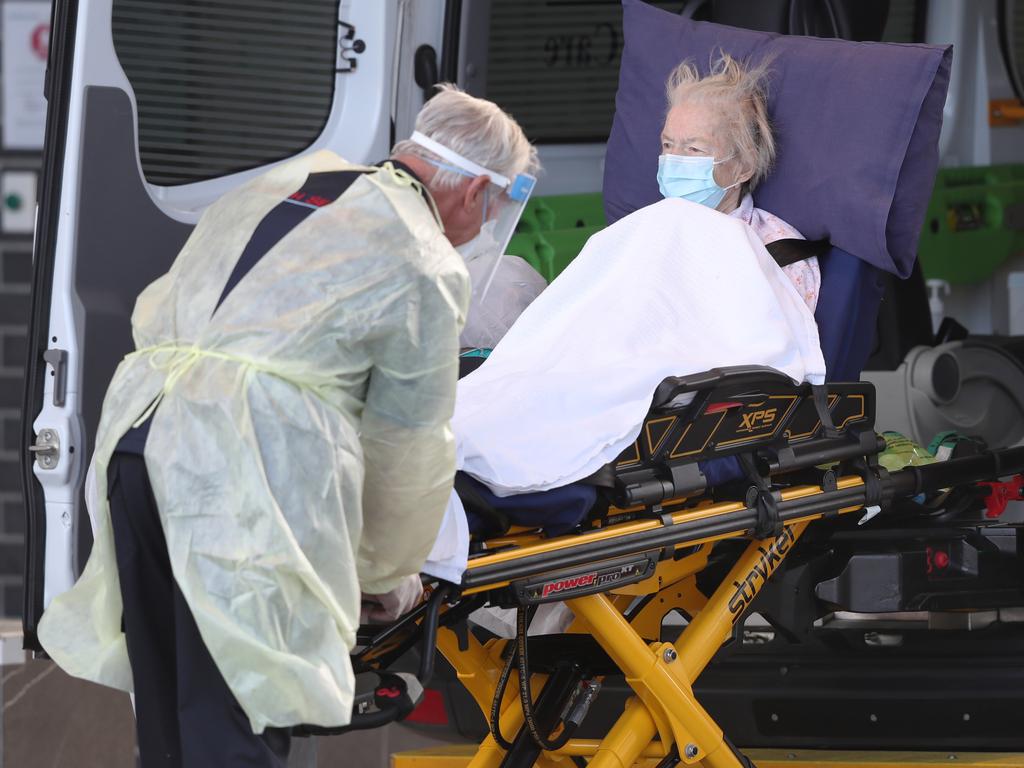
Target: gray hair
475,128
741,92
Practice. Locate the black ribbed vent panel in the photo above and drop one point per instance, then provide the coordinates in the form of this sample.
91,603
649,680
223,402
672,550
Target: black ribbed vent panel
226,85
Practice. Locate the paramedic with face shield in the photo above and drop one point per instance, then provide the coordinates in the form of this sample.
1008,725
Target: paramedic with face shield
277,447
503,285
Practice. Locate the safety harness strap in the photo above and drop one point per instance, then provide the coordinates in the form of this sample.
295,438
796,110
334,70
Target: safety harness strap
819,394
791,250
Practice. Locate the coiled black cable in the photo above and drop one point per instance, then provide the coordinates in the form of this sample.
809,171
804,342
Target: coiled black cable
494,723
526,696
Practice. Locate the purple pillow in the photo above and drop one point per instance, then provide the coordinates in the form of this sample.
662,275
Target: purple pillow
856,127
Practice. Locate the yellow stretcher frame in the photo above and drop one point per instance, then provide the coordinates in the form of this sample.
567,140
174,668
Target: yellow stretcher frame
663,711
663,717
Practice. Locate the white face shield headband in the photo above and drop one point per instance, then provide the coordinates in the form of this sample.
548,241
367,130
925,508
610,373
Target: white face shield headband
504,202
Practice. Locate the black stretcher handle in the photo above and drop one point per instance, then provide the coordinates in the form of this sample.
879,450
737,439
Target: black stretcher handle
740,375
428,650
990,465
431,620
397,694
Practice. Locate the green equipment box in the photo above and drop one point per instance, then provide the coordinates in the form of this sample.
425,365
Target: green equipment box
975,222
554,229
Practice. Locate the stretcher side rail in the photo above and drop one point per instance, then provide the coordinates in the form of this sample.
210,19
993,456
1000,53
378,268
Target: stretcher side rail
692,526
679,529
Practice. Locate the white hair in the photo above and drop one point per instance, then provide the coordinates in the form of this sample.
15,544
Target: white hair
740,92
475,128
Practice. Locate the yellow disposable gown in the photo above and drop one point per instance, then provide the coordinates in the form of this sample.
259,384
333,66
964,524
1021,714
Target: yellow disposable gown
301,451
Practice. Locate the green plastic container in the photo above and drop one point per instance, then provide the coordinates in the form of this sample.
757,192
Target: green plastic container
974,223
554,229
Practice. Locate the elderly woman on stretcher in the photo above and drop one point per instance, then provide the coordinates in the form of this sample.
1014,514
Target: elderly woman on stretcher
717,145
676,288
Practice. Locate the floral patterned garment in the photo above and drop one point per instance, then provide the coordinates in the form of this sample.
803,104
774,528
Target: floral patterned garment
806,275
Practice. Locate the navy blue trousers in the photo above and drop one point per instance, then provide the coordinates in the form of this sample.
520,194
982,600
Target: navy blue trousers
186,716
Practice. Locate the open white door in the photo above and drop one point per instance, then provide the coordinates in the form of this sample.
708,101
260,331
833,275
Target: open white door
155,109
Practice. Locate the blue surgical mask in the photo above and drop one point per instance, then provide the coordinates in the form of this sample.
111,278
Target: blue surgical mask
691,178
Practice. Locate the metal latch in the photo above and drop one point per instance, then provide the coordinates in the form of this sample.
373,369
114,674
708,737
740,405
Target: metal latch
58,358
47,448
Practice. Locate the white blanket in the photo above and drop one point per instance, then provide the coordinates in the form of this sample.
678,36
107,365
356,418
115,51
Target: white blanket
673,289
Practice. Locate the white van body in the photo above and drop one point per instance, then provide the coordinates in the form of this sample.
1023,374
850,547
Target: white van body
157,109
113,211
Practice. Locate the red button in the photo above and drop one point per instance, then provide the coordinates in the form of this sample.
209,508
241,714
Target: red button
941,560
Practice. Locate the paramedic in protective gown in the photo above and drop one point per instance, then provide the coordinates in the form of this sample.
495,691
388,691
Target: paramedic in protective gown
278,447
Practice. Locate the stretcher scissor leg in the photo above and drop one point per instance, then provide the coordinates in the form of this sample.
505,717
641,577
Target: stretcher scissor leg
478,673
627,740
659,681
476,665
490,754
663,676
704,635
653,752
525,751
683,596
478,668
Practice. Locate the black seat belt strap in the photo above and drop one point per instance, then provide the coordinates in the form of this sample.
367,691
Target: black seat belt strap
819,393
791,250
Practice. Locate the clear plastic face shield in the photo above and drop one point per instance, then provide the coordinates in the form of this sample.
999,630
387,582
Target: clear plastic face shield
504,198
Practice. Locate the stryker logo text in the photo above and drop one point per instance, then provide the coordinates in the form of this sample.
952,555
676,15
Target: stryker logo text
770,558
